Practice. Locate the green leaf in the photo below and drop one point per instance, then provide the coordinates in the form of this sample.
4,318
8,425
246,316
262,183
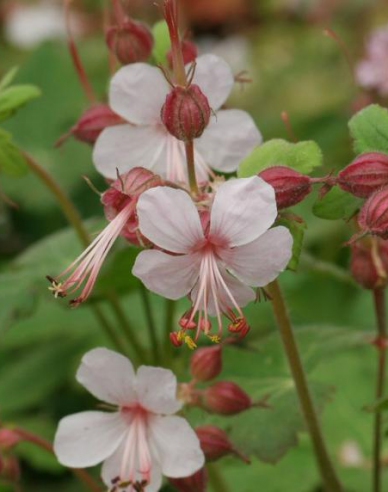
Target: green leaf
336,204
162,43
302,156
8,78
369,129
297,230
13,98
12,161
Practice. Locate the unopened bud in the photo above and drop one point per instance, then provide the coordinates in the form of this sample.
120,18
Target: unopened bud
365,175
206,363
186,112
373,217
9,438
369,266
291,187
214,442
194,483
131,42
189,52
226,398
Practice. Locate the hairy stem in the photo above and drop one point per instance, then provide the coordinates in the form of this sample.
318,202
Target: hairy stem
189,146
329,477
81,474
381,342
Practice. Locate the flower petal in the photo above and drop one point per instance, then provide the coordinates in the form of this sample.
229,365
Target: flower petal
157,390
169,276
169,219
87,438
138,92
215,79
261,261
111,469
230,137
109,376
243,209
176,445
123,147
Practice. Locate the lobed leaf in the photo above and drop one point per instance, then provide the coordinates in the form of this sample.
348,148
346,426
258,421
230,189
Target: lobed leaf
369,129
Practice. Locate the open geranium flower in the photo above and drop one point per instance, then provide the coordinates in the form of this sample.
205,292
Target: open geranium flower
139,441
138,93
217,264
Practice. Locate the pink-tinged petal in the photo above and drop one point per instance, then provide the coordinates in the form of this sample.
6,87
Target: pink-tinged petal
169,219
87,438
157,390
137,93
243,209
169,276
215,78
230,137
176,446
123,147
261,261
109,376
112,467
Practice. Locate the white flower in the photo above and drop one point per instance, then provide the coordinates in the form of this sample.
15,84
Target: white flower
215,266
142,439
137,94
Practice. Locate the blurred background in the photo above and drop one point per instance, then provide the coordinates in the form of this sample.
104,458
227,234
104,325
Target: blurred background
292,66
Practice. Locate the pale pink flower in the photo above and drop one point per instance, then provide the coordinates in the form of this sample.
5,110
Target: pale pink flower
218,265
372,71
141,439
137,94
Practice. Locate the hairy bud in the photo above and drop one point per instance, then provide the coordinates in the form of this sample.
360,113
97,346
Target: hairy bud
189,52
365,175
290,186
186,112
369,263
131,42
214,442
206,363
194,483
373,217
226,398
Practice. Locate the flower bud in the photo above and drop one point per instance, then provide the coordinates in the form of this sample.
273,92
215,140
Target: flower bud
214,442
194,483
290,186
366,174
206,363
131,42
186,112
8,438
189,52
373,216
226,398
369,266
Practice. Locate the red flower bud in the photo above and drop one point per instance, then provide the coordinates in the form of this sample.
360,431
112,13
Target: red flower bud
206,363
186,112
373,216
366,174
226,398
131,42
9,438
369,266
290,186
189,52
194,483
214,442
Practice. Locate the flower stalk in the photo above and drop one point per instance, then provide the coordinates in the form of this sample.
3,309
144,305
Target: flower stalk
189,146
328,474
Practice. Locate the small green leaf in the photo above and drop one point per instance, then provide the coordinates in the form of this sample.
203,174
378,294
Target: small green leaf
336,204
369,129
12,161
297,230
13,98
302,156
162,42
8,78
